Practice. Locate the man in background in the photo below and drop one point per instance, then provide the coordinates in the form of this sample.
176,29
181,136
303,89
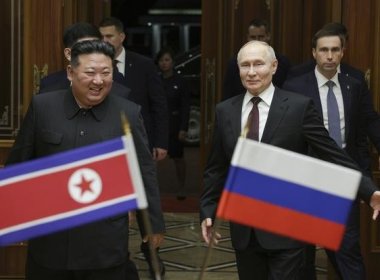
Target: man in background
257,30
142,78
354,112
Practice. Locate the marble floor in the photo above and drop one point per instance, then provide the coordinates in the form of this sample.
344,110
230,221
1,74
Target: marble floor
183,252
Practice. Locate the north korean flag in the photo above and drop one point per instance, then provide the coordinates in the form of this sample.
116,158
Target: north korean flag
68,189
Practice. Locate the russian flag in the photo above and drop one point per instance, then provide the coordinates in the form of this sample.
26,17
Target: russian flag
68,189
288,193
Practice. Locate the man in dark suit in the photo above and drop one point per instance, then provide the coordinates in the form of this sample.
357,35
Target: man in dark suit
142,78
286,120
72,34
257,30
62,120
356,113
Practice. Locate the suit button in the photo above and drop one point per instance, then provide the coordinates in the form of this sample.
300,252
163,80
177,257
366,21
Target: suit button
81,133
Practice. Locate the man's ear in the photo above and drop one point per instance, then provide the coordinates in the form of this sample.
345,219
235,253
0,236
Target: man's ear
123,36
69,71
313,52
67,53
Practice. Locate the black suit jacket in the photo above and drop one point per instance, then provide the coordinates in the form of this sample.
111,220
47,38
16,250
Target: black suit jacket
142,78
355,100
232,83
294,124
55,123
58,81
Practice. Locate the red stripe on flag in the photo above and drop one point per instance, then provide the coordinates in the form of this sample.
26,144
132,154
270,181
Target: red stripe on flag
280,220
48,195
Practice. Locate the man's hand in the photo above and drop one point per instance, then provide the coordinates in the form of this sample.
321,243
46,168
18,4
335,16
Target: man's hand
159,154
375,204
207,231
155,239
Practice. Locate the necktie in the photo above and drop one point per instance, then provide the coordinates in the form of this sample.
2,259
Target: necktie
333,115
253,120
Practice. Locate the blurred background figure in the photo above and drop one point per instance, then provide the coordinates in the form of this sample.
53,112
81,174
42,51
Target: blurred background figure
178,97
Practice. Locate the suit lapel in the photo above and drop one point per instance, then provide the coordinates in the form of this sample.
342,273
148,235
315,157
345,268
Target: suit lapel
277,110
235,116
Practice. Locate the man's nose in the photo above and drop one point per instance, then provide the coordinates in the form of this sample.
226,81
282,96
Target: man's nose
252,70
98,79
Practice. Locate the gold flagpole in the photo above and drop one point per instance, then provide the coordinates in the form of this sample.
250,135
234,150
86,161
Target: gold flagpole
206,260
144,212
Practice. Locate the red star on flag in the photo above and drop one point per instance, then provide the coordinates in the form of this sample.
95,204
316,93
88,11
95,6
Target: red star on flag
85,185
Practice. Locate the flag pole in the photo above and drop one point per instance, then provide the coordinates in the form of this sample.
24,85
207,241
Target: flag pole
206,260
144,212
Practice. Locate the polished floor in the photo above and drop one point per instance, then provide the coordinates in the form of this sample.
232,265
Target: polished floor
183,252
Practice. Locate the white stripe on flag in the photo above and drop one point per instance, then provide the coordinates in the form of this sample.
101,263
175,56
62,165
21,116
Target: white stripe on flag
135,172
297,168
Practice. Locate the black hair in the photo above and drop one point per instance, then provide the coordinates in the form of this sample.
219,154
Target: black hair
164,50
327,33
77,31
258,23
89,47
112,21
337,27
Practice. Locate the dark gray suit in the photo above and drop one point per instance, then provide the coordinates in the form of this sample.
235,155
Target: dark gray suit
293,124
55,123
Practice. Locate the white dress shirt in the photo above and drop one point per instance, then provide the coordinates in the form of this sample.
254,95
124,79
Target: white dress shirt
120,62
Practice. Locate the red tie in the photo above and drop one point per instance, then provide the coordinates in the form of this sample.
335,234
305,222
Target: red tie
253,120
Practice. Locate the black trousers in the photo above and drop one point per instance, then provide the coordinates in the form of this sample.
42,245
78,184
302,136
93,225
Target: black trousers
347,261
258,263
35,271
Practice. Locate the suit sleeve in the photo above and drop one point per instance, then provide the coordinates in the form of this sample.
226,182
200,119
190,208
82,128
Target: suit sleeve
326,149
23,148
214,175
158,108
149,175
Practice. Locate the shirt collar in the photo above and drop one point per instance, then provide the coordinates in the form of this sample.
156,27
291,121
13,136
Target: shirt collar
322,80
121,56
266,96
72,108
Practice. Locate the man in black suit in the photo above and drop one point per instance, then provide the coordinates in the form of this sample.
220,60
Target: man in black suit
356,113
286,120
84,114
72,34
257,30
141,76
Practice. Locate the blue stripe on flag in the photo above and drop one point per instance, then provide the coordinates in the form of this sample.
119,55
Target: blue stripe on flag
62,158
69,222
276,191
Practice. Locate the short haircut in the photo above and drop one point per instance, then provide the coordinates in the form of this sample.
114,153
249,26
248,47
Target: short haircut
337,27
163,51
258,23
326,33
89,47
78,31
270,51
112,21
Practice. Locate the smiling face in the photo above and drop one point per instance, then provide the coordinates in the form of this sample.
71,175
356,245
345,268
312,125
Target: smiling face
91,78
257,66
328,53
